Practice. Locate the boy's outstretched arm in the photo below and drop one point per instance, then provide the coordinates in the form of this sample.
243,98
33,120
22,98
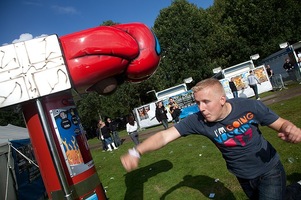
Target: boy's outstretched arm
130,160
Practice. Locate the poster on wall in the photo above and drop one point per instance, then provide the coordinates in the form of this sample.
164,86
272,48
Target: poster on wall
242,85
146,115
261,74
72,139
186,103
143,112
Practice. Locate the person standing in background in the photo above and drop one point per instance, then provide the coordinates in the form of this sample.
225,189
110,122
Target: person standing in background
172,105
161,114
132,129
176,113
288,65
113,127
270,75
233,88
294,73
106,134
253,81
100,137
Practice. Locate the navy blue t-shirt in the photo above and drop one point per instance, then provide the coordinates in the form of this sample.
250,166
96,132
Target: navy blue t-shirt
238,137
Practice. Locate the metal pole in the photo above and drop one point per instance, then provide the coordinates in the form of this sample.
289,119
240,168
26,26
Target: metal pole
8,170
53,150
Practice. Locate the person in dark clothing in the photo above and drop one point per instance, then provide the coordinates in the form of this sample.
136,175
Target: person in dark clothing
106,135
233,88
176,113
113,128
269,71
290,69
174,110
288,65
270,75
161,114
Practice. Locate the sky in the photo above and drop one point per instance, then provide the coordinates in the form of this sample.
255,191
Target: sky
27,19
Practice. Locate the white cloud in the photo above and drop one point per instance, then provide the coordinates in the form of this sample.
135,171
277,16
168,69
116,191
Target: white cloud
23,37
64,10
27,36
32,3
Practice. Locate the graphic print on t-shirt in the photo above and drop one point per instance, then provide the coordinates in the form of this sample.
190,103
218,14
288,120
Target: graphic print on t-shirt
238,133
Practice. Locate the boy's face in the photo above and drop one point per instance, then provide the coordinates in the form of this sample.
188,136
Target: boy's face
210,103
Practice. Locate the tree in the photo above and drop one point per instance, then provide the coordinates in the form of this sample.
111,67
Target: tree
109,23
11,115
253,27
182,29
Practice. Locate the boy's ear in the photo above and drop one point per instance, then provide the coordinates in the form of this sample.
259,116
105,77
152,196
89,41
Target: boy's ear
223,99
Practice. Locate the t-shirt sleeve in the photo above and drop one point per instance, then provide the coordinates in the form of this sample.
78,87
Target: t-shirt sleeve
264,114
190,125
127,128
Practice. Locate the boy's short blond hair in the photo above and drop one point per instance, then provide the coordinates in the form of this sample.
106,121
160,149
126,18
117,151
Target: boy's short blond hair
210,82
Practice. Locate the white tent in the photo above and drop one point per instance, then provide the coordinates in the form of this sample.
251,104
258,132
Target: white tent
14,164
11,132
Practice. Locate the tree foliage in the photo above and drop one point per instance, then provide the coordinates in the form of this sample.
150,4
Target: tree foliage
182,29
11,115
193,42
248,27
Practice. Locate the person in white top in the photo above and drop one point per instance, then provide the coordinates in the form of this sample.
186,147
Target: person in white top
253,80
132,129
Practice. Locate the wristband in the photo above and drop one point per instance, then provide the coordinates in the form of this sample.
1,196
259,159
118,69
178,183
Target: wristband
133,152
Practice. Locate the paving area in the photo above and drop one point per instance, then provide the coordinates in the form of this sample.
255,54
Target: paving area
284,94
275,97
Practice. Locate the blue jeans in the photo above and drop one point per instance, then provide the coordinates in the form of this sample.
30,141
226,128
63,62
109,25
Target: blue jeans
165,123
134,136
108,140
255,89
269,186
116,138
235,94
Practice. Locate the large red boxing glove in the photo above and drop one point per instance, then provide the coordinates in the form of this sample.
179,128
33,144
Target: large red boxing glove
146,62
96,56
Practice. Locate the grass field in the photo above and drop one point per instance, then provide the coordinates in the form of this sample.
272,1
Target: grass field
190,167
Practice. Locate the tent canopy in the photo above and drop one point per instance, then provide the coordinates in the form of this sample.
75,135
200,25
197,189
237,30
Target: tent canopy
11,132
